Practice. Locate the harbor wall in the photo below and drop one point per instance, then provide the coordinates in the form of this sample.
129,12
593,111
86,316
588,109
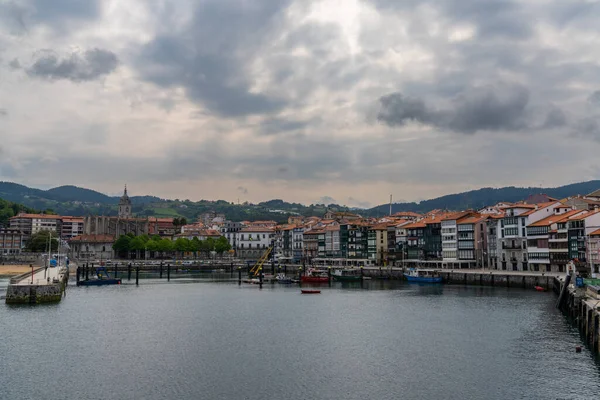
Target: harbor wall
582,307
34,294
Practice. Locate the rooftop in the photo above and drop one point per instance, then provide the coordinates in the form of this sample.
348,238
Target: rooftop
93,239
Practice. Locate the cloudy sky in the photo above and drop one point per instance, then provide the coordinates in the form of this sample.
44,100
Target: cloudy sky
348,100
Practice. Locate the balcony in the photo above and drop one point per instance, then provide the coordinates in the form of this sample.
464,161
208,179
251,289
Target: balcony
511,246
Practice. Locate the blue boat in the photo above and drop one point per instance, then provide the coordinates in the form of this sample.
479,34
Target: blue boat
423,276
281,278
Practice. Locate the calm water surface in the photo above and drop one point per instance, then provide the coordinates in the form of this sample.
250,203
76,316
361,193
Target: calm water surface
221,341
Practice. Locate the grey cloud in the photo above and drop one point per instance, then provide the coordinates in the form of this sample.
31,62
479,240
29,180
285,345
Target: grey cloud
3,112
242,190
87,66
58,15
594,98
555,118
14,64
272,126
486,108
208,56
493,18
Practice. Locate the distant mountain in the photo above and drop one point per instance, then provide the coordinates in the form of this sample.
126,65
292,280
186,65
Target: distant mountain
476,199
74,193
76,201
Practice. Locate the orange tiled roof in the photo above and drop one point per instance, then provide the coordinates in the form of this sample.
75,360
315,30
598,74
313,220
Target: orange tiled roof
416,224
252,229
595,233
36,216
552,219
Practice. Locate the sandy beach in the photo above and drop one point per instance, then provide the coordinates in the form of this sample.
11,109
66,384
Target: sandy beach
14,269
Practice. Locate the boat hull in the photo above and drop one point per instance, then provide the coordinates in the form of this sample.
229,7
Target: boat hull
99,282
423,279
349,278
306,291
314,279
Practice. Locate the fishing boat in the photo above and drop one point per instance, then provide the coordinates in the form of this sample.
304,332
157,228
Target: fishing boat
281,278
346,275
102,279
310,291
423,276
314,276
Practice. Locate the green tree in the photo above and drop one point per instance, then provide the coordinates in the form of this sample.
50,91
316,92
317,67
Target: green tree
123,245
182,245
39,241
165,245
195,245
222,245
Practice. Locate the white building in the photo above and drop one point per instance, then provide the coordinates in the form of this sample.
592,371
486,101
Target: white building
254,241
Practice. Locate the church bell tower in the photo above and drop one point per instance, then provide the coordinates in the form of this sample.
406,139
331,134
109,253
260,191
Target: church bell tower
125,206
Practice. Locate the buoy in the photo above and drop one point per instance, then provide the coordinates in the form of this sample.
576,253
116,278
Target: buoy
577,349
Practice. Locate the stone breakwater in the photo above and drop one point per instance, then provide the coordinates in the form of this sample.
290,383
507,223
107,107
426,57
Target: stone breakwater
47,290
582,307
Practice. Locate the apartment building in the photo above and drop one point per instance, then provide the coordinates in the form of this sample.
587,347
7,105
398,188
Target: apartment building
12,241
332,241
547,241
254,241
297,243
31,224
71,227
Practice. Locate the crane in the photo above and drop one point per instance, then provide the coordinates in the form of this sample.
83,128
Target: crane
256,269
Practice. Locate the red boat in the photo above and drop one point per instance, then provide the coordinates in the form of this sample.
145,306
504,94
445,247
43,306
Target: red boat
540,289
310,291
315,277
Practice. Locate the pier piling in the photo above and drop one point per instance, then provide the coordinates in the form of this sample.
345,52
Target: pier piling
129,271
300,275
87,272
168,272
160,270
260,277
137,275
329,276
239,276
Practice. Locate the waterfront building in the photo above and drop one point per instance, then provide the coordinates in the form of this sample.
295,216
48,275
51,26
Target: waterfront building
162,226
449,228
12,241
472,240
332,240
511,234
297,243
579,228
540,234
581,202
415,243
379,250
593,251
357,241
407,215
230,230
92,247
201,234
314,244
30,224
254,241
71,227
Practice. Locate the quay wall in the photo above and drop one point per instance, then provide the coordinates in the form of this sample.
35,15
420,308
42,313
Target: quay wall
35,293
582,307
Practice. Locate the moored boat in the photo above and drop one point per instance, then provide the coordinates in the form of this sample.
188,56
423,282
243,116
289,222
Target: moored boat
310,291
423,276
281,278
346,275
314,276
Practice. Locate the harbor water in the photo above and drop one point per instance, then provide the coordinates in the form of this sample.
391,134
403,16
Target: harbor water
206,340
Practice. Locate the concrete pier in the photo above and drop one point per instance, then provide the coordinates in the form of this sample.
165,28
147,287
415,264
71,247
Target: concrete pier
43,285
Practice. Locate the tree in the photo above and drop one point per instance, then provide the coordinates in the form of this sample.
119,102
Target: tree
222,245
182,245
123,245
39,241
165,245
195,245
